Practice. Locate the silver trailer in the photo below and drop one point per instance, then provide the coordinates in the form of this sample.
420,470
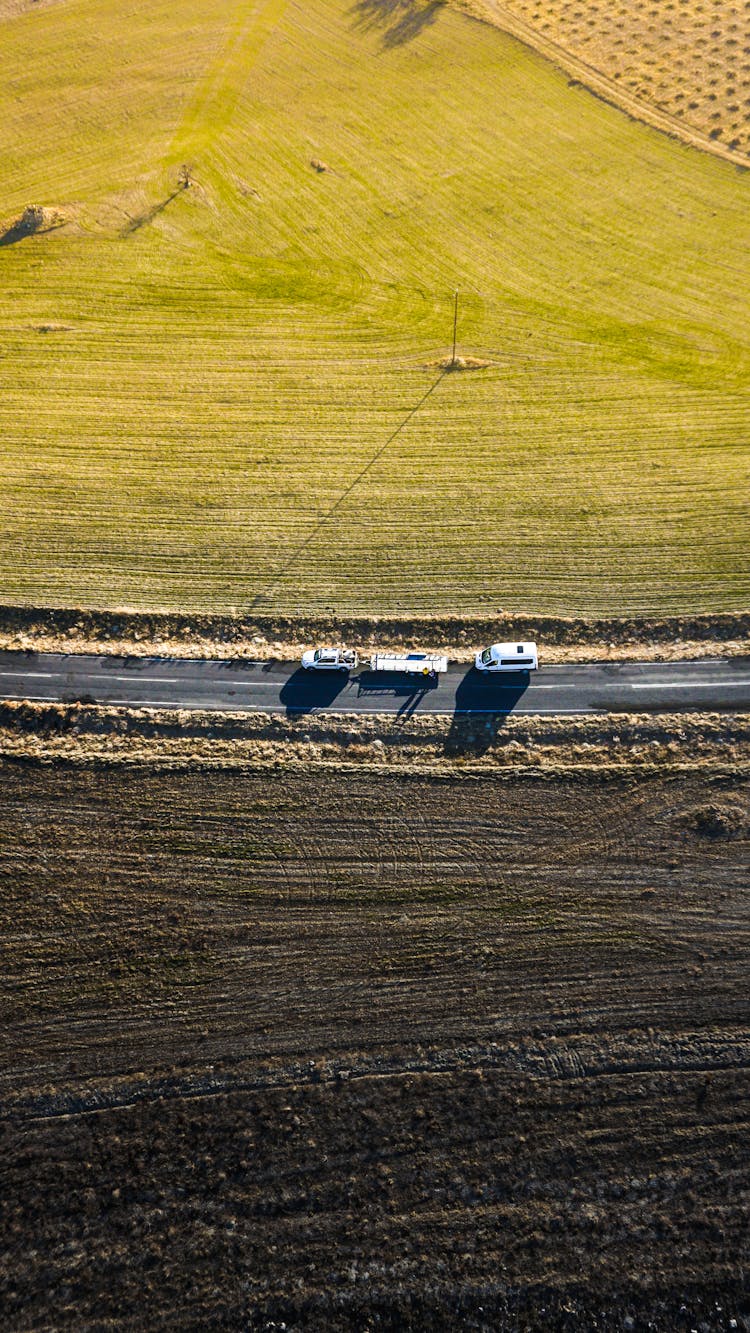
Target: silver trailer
411,664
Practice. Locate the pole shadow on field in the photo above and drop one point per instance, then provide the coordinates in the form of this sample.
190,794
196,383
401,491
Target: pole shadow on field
307,690
483,705
134,224
266,593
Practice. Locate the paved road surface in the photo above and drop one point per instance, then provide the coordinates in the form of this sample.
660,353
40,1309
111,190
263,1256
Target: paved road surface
157,682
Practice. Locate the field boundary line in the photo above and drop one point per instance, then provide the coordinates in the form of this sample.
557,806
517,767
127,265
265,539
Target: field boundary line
270,588
598,83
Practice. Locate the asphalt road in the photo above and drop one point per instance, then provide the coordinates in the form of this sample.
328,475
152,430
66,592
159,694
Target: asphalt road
278,687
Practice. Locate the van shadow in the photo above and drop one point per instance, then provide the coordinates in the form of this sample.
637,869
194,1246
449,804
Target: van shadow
307,690
401,20
413,689
483,705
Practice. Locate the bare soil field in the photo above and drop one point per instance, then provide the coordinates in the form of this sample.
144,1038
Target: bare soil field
300,1049
689,60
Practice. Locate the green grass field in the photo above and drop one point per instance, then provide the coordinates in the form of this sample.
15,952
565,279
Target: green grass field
188,391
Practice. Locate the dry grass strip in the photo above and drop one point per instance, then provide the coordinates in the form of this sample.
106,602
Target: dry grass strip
499,745
262,637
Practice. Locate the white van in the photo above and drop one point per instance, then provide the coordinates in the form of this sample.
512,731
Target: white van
507,657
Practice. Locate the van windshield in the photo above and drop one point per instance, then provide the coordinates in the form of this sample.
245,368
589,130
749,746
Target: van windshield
487,656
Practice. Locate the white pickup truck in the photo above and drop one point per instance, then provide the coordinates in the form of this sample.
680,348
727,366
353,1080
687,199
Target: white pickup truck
414,664
507,657
330,659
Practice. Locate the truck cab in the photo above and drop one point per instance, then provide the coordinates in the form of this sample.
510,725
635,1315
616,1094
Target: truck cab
507,657
329,659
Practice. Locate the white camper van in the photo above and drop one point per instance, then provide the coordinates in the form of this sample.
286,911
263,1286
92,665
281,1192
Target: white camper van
507,657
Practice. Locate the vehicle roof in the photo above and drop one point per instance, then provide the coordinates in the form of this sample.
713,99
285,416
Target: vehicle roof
509,649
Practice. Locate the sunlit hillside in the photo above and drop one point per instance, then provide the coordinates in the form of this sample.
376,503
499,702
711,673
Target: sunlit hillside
232,234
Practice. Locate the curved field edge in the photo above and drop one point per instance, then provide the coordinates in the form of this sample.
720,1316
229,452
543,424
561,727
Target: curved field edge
598,81
230,395
644,104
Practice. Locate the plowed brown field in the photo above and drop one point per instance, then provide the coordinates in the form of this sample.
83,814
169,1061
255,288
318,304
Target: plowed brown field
294,1050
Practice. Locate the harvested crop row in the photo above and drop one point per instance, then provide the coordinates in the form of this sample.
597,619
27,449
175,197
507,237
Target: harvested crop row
690,60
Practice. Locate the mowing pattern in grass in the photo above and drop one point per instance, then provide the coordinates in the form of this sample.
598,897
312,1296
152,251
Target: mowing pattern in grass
690,59
194,377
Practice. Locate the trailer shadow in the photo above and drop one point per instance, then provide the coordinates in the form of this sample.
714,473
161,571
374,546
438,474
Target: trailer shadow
483,705
307,690
413,689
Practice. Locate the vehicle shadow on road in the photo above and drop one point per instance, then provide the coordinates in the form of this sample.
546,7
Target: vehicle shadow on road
307,690
483,705
398,683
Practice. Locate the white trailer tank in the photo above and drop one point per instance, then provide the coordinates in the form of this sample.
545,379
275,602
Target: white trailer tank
414,664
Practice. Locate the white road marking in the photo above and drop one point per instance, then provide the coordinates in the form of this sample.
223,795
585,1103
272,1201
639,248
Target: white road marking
610,685
149,680
181,680
28,675
275,708
497,712
694,685
131,680
433,712
153,703
120,703
545,687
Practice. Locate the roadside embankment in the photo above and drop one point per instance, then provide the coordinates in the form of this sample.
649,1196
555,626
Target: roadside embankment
94,735
561,639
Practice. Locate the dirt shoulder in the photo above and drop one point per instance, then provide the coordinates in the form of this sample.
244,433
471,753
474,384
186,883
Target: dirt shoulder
561,639
95,735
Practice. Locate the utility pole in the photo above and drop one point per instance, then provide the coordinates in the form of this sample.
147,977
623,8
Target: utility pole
455,326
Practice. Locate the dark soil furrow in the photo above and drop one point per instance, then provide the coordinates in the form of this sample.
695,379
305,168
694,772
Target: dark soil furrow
326,1051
